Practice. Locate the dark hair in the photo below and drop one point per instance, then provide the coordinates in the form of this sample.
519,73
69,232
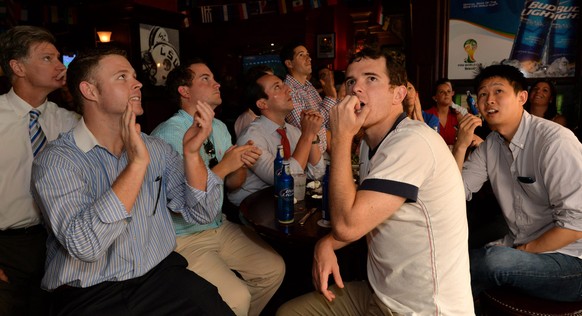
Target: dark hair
253,90
181,76
394,68
510,73
249,100
288,52
440,82
552,110
16,42
82,68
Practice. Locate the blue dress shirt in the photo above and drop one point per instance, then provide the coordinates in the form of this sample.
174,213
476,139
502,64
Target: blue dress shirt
92,239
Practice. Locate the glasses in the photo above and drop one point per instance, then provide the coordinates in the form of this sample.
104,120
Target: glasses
211,152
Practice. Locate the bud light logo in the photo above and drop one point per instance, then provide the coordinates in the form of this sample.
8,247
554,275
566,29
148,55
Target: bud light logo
286,193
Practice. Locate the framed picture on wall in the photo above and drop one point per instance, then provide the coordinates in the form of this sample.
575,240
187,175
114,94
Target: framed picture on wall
326,45
160,52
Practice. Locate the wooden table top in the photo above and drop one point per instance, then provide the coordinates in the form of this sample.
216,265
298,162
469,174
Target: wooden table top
259,210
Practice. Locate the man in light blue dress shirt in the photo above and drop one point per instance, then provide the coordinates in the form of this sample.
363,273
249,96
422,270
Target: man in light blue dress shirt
270,96
107,191
216,250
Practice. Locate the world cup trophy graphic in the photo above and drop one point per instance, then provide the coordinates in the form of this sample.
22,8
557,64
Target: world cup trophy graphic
470,46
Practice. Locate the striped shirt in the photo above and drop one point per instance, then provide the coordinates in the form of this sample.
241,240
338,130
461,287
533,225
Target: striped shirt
92,239
305,97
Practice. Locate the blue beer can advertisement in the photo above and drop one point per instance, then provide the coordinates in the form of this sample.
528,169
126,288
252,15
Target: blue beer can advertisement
537,36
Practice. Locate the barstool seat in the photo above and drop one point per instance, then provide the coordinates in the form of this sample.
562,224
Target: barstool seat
507,301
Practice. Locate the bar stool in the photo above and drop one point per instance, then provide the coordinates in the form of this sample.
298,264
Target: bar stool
505,302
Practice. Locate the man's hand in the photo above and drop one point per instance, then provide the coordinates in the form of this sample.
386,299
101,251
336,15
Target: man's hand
311,121
200,129
324,264
328,83
251,155
347,117
239,156
466,134
137,153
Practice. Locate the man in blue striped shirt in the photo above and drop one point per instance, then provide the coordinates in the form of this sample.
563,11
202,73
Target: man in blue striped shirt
105,188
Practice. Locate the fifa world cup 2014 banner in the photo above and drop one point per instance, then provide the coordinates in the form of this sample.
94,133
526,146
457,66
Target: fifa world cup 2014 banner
538,36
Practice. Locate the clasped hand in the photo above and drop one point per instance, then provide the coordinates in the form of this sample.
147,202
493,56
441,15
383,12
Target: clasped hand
347,117
200,129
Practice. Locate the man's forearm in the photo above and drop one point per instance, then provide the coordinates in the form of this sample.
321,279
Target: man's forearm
459,153
195,171
551,240
128,184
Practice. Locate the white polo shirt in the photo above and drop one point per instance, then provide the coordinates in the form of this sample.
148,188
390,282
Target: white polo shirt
418,262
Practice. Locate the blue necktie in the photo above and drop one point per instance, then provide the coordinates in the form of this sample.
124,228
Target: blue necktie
37,137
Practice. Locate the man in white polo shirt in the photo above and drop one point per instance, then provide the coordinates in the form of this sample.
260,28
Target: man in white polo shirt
409,205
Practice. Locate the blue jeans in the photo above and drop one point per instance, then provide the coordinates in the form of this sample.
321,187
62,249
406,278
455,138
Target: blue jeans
553,276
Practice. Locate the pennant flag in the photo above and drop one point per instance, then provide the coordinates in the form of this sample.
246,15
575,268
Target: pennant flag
54,14
206,14
380,14
242,10
72,16
3,9
254,8
186,21
267,6
297,5
282,7
225,13
315,4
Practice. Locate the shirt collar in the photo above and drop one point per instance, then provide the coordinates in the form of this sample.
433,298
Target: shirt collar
84,139
400,118
520,136
21,107
186,116
269,125
295,84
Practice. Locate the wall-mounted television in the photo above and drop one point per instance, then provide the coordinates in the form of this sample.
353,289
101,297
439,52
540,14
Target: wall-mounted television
68,58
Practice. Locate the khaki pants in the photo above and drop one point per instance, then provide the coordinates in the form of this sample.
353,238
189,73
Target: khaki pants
356,298
215,253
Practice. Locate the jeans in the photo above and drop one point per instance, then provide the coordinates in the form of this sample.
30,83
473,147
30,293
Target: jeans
553,276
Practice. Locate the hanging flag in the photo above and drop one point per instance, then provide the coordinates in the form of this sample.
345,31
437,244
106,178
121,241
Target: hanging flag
54,14
3,9
72,16
186,21
242,11
315,4
380,14
254,8
282,7
225,13
267,6
297,5
206,14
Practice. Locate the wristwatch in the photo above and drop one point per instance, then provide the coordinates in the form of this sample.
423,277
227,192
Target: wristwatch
316,140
